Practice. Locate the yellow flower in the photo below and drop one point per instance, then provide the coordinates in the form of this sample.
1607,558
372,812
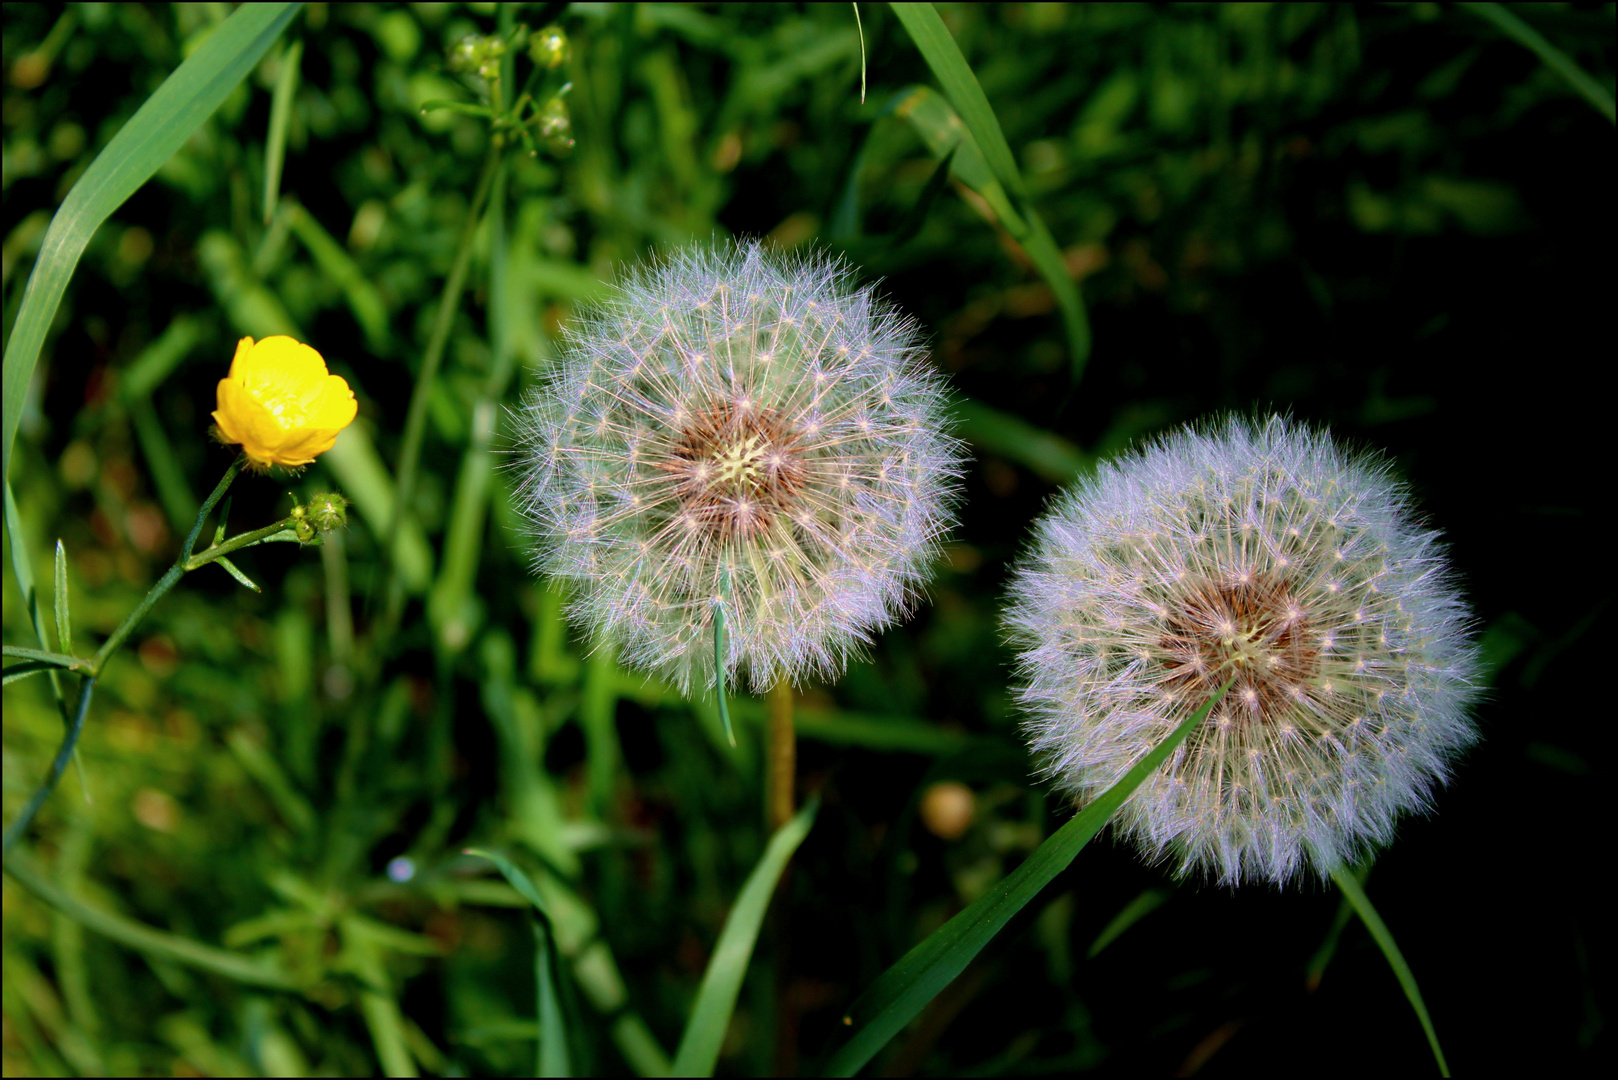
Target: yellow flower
281,404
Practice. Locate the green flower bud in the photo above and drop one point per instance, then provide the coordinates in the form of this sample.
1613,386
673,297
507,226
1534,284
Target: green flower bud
555,125
328,511
548,47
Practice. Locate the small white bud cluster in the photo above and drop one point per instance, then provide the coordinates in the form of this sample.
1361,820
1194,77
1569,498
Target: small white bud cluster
1264,553
735,430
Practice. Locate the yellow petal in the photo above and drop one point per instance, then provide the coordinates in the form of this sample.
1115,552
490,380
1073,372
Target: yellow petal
336,408
302,446
243,347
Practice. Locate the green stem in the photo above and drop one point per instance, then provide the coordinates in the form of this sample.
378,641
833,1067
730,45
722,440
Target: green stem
236,543
1354,893
416,418
144,939
64,753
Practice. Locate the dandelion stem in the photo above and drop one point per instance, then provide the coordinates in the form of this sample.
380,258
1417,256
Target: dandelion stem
783,755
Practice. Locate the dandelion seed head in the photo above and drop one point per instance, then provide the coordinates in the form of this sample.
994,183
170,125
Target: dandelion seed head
1263,554
741,430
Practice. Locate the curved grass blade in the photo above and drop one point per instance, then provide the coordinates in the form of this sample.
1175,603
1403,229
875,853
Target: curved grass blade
1354,893
899,995
145,939
961,86
160,127
275,144
70,743
22,671
553,1059
1558,61
716,1000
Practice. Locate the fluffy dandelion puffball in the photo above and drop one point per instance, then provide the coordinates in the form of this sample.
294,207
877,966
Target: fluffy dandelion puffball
1265,553
740,431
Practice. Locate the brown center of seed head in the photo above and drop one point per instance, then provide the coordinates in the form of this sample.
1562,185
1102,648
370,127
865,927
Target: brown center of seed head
1254,630
739,465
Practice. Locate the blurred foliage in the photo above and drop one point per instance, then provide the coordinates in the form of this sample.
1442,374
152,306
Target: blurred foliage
1391,220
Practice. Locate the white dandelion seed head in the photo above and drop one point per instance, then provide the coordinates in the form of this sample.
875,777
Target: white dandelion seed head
742,429
1260,551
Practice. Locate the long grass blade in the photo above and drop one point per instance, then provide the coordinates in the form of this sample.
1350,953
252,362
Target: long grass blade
144,939
716,999
161,126
275,143
1354,892
553,1057
901,992
961,86
1558,61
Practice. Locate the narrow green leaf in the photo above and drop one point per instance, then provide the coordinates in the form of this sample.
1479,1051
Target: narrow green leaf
275,144
160,127
22,671
55,659
369,309
144,939
719,658
716,999
358,467
954,74
163,465
1133,912
242,578
64,626
158,360
1354,892
1555,59
1014,438
961,86
901,992
553,1057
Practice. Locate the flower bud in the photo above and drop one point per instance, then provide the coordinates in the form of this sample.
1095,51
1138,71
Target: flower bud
548,47
555,125
328,511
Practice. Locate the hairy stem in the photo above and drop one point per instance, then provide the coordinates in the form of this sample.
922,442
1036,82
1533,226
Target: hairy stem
781,770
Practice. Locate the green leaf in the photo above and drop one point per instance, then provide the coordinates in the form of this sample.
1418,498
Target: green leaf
145,939
719,657
716,999
1354,892
242,578
954,74
1555,59
64,627
61,660
161,126
553,1054
275,143
900,994
22,671
1015,439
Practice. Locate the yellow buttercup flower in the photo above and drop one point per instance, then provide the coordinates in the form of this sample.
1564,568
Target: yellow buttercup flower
281,404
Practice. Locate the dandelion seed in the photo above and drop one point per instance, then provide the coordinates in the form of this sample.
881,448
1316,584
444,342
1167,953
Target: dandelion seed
745,439
1289,565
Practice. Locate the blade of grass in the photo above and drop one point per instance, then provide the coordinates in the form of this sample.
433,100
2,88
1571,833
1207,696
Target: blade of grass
553,1059
716,999
899,995
1015,439
369,309
275,143
144,939
64,627
1133,912
1354,892
160,127
1558,61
